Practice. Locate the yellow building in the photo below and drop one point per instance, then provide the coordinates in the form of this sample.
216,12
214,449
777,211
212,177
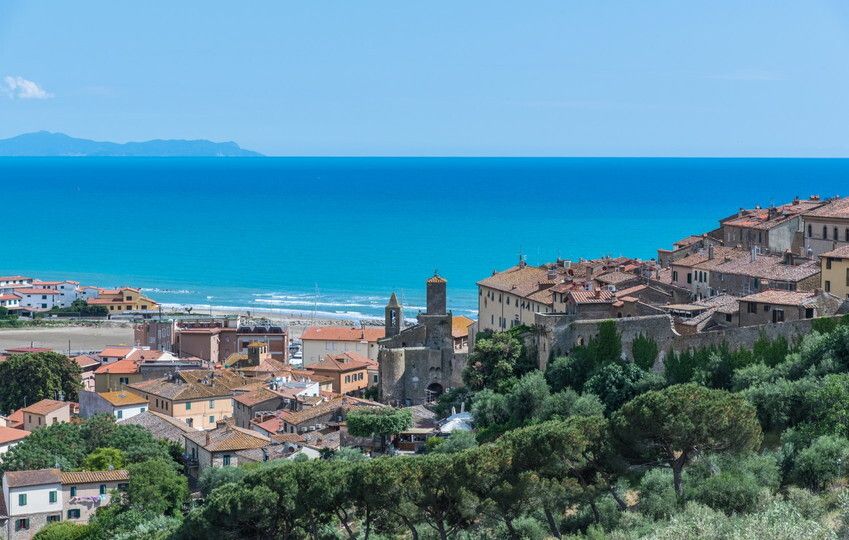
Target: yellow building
835,271
198,397
123,299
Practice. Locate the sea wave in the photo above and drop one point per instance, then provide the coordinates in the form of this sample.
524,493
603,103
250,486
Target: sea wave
167,291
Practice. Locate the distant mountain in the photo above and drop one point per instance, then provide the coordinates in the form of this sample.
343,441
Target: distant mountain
45,143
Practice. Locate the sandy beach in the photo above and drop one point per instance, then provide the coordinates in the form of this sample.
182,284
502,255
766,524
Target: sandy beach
85,338
81,338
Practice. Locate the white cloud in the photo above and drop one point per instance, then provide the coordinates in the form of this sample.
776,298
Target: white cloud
20,88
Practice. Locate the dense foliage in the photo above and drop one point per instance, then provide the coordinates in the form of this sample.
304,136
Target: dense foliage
712,443
31,377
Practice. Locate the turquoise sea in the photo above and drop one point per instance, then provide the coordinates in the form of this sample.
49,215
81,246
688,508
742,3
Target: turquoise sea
338,235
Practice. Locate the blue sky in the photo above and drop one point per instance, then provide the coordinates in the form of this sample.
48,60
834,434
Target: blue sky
562,78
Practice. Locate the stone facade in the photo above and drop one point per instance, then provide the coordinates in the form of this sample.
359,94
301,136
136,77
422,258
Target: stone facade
558,334
419,363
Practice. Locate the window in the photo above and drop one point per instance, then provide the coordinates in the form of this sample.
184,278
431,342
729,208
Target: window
847,276
847,234
74,513
689,277
73,491
752,307
766,308
124,380
189,406
211,419
211,403
809,313
190,422
828,263
836,235
824,232
727,317
119,414
52,497
827,286
123,487
22,499
54,518
103,489
227,460
21,524
143,409
778,315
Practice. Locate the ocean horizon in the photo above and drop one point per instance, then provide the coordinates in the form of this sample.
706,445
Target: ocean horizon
336,236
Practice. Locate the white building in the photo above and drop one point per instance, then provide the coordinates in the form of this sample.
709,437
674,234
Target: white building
10,301
11,281
319,341
121,404
9,437
67,291
38,298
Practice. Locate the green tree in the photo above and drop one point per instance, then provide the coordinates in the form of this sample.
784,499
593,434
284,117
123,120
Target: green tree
104,459
456,442
526,398
55,445
644,350
213,477
489,409
382,422
157,488
493,363
673,425
618,383
658,499
31,377
63,530
826,459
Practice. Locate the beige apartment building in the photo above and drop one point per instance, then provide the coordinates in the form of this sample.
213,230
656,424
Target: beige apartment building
827,227
46,412
198,397
835,271
319,341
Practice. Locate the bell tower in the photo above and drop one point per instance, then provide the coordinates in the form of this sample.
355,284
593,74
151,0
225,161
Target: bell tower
394,316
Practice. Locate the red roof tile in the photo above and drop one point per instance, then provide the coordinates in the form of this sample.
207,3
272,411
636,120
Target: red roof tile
343,333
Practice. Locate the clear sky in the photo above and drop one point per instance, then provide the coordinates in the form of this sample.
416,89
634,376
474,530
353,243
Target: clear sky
563,78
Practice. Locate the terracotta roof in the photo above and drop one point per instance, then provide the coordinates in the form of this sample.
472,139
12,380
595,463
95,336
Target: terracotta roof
343,333
784,298
94,477
437,279
22,350
121,367
9,297
770,267
614,278
10,435
721,255
115,352
460,326
46,406
840,253
598,296
256,397
228,438
140,355
85,361
767,218
36,477
347,361
521,280
345,403
120,398
688,241
16,417
191,384
15,278
837,208
33,290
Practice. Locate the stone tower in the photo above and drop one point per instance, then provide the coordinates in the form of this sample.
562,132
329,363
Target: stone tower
436,295
394,317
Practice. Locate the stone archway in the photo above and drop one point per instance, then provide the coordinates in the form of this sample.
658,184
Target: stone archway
434,390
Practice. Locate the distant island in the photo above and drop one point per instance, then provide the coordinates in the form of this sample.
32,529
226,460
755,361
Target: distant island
47,144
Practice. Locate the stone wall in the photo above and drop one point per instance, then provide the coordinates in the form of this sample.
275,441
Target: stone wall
558,334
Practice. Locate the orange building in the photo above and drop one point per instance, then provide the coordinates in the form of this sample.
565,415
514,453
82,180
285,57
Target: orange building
349,371
123,299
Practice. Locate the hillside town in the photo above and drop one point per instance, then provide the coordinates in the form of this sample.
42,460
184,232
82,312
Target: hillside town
227,391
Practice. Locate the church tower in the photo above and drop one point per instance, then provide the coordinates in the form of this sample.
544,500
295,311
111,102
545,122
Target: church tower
394,317
436,295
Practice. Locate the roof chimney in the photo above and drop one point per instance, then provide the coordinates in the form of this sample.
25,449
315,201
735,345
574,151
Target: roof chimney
710,251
